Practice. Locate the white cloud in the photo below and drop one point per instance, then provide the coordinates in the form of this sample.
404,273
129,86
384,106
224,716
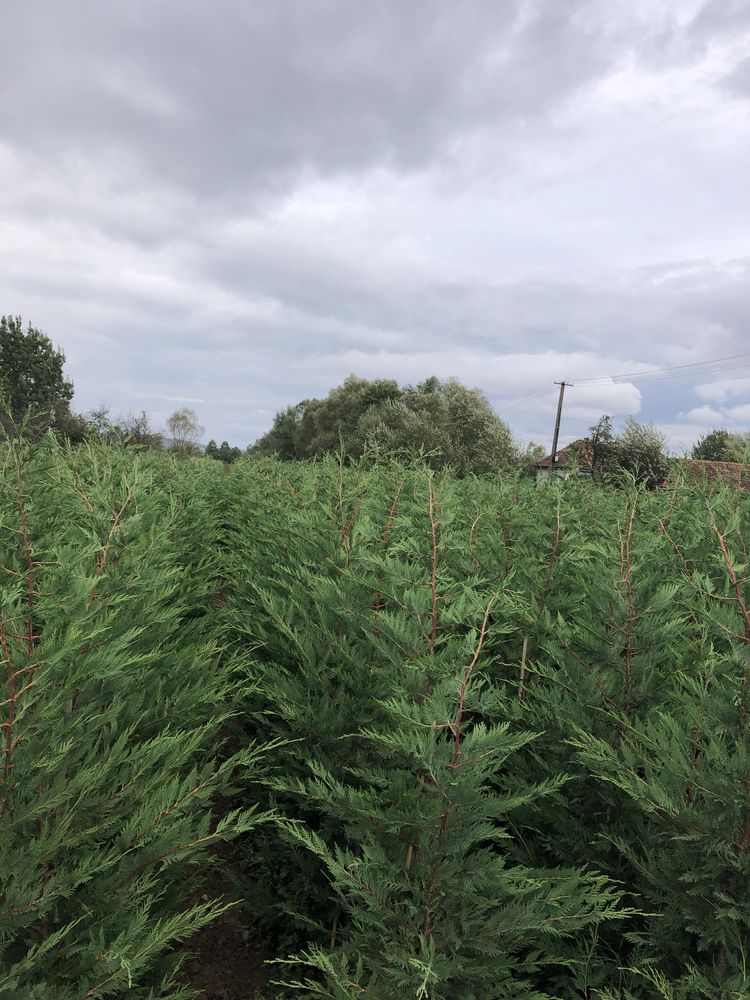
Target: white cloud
739,413
514,195
703,415
721,390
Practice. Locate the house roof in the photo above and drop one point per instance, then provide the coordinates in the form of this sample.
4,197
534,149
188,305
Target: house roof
735,473
579,452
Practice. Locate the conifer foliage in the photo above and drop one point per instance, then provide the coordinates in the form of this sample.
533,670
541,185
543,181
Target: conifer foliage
112,696
519,767
408,768
497,733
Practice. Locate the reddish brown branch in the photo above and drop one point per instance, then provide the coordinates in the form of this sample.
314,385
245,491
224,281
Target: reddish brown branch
455,726
744,841
392,514
739,596
472,541
103,555
83,495
9,724
677,549
24,533
346,533
434,529
522,676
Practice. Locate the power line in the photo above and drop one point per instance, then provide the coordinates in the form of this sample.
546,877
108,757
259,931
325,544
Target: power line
532,394
695,373
714,366
711,367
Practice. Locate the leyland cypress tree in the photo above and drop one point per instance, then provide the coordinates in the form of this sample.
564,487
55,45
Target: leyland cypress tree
111,702
433,904
502,700
292,616
686,766
406,781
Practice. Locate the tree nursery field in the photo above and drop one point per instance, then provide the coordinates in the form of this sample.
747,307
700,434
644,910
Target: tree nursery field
442,737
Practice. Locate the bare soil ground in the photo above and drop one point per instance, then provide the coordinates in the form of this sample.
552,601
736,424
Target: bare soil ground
227,963
226,960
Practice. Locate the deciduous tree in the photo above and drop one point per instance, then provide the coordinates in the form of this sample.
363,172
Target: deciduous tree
223,452
641,451
32,384
449,423
721,445
185,431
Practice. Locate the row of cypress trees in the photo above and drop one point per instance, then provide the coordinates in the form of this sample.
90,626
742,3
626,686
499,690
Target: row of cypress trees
518,759
501,732
113,696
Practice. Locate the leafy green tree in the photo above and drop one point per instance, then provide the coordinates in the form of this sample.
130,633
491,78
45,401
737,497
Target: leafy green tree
135,430
70,426
399,429
31,377
131,430
482,442
454,425
713,447
223,452
450,424
185,430
284,439
99,422
721,445
530,454
741,447
334,419
641,452
315,427
603,446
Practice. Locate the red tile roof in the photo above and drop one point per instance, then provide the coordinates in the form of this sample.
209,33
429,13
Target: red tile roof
580,451
735,473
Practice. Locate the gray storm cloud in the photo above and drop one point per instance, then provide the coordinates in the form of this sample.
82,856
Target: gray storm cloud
241,203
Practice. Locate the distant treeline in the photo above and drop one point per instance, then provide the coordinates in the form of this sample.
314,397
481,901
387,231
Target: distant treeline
443,421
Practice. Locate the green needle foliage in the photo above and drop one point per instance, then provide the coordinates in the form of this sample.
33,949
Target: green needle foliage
604,782
504,728
404,780
686,764
113,698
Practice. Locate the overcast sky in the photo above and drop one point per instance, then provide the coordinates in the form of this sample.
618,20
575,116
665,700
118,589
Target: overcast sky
233,205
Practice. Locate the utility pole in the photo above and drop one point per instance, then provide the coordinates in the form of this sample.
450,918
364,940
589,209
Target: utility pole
557,428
